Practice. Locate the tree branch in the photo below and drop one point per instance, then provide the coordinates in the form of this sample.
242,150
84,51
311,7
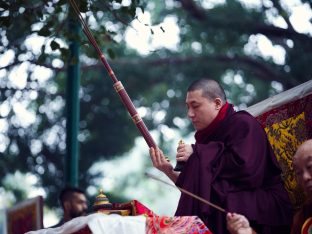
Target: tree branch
195,11
260,69
200,14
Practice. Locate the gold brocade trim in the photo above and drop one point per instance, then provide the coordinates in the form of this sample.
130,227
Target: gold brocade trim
134,210
136,118
285,137
119,212
118,86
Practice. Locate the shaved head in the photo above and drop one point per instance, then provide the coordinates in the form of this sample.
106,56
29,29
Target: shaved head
304,149
211,89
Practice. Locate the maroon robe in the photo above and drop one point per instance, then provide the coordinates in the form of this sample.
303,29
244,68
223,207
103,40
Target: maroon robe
235,168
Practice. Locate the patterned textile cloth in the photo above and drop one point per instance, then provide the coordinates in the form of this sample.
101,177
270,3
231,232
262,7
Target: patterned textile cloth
287,124
164,225
175,225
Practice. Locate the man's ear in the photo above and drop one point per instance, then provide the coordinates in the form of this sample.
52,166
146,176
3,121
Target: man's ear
218,103
67,205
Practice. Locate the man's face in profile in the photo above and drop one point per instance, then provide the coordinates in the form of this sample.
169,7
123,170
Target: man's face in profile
200,110
79,205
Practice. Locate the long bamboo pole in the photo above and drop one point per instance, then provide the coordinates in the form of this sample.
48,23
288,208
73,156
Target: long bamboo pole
117,84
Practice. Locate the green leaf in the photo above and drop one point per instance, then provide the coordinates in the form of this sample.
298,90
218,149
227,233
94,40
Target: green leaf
111,53
62,2
132,10
4,5
45,31
64,53
39,14
41,58
50,23
5,21
54,45
83,6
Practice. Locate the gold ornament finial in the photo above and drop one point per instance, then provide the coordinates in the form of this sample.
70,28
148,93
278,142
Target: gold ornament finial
101,193
101,201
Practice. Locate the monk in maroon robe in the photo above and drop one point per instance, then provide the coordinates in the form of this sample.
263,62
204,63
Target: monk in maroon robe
231,164
303,169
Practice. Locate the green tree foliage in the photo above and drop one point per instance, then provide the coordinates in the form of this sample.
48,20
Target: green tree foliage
38,145
213,40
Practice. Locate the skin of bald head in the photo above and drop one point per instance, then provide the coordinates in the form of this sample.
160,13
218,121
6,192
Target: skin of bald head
302,163
211,89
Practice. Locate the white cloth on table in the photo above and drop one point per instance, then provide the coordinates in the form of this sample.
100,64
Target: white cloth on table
116,224
100,224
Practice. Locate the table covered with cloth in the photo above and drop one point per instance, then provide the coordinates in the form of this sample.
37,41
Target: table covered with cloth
141,221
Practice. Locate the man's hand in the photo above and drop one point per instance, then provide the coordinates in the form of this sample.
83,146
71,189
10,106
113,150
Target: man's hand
238,224
159,160
161,163
184,151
